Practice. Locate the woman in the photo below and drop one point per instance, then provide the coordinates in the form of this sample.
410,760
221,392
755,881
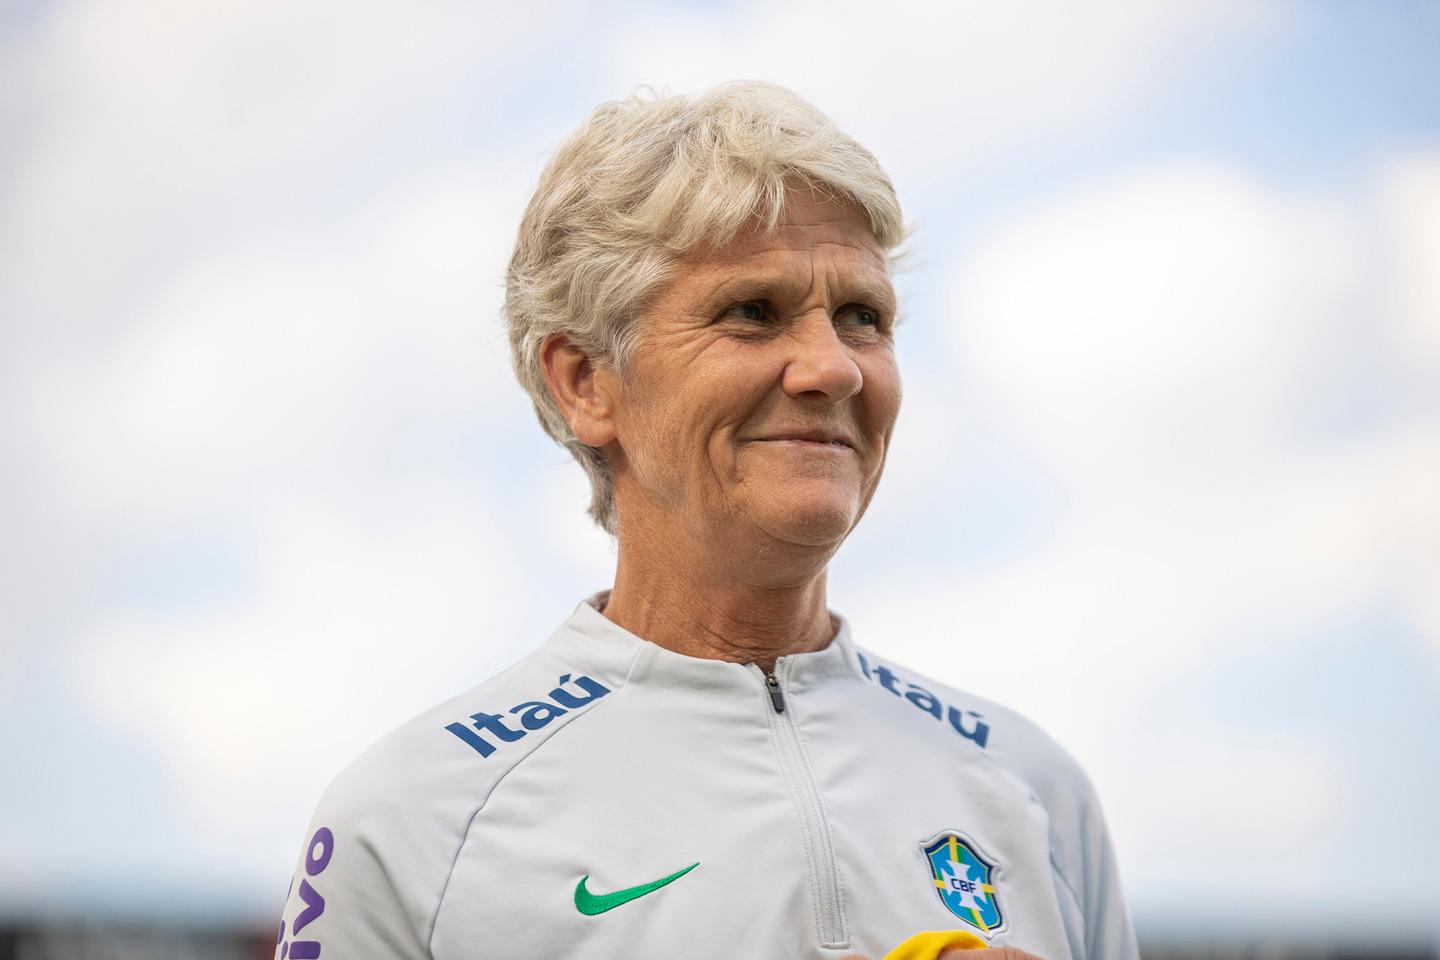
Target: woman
701,761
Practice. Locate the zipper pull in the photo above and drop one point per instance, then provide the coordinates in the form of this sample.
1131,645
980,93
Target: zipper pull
777,698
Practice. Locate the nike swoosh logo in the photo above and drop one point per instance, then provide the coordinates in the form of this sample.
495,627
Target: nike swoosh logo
591,903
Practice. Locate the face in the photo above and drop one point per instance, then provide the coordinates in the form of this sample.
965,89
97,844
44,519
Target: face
764,389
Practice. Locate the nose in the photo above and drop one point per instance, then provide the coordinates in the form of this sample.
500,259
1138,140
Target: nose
820,364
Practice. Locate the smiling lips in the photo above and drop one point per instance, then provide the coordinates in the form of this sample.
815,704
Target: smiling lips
813,439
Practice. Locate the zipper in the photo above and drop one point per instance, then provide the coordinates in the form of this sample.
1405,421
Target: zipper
777,696
815,830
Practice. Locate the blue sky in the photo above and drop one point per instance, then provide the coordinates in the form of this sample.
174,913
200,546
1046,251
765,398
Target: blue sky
1164,478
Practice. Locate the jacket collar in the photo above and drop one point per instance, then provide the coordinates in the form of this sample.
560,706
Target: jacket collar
590,637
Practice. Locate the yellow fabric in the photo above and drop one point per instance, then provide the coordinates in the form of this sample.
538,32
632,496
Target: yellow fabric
928,946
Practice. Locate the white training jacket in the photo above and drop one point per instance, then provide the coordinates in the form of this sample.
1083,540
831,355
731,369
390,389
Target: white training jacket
608,798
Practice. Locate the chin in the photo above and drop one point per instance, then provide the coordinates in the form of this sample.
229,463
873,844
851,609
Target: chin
813,522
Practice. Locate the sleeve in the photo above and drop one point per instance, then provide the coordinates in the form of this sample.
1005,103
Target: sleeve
1109,933
349,896
1081,850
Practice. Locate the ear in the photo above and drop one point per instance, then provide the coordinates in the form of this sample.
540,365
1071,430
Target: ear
582,387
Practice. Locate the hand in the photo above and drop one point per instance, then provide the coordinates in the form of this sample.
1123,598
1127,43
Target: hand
999,953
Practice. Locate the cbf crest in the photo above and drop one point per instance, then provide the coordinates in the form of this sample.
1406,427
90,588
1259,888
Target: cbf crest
964,880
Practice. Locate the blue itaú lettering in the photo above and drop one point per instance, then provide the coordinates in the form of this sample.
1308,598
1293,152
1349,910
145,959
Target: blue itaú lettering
533,715
968,723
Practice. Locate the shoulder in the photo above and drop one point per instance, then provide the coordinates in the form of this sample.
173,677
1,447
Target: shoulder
1014,744
1081,852
387,831
445,761
1006,736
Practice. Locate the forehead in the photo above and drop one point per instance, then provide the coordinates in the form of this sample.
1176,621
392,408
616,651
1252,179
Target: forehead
814,234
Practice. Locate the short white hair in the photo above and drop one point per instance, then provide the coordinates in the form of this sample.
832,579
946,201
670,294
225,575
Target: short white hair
643,183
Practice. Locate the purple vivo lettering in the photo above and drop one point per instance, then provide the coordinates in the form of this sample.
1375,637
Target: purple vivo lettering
325,840
314,906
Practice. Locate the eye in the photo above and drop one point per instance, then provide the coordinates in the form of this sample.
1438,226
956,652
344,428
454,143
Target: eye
755,311
860,315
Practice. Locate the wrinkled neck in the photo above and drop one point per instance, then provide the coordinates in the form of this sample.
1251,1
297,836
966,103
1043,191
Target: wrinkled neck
699,615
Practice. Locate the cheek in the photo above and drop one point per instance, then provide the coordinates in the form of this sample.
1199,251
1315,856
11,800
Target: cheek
727,387
882,393
674,434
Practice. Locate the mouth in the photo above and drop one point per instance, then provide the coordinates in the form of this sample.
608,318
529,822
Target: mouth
832,444
813,438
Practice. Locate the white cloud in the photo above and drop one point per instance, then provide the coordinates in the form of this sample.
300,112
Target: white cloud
1157,340
314,389
923,84
311,356
564,526
208,337
1411,193
166,133
360,619
1274,806
178,97
1173,311
1408,519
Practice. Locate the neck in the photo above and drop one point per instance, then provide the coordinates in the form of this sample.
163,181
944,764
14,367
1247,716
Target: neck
719,607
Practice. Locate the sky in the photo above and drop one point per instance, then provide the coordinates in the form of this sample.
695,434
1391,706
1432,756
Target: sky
1166,478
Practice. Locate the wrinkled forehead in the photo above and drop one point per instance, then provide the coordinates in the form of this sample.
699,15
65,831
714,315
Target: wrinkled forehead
813,232
811,208
796,208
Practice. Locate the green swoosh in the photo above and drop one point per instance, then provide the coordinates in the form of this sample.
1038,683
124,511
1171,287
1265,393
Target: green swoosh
590,904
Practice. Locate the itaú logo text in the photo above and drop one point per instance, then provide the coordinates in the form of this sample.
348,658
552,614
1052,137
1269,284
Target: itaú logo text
530,714
967,723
